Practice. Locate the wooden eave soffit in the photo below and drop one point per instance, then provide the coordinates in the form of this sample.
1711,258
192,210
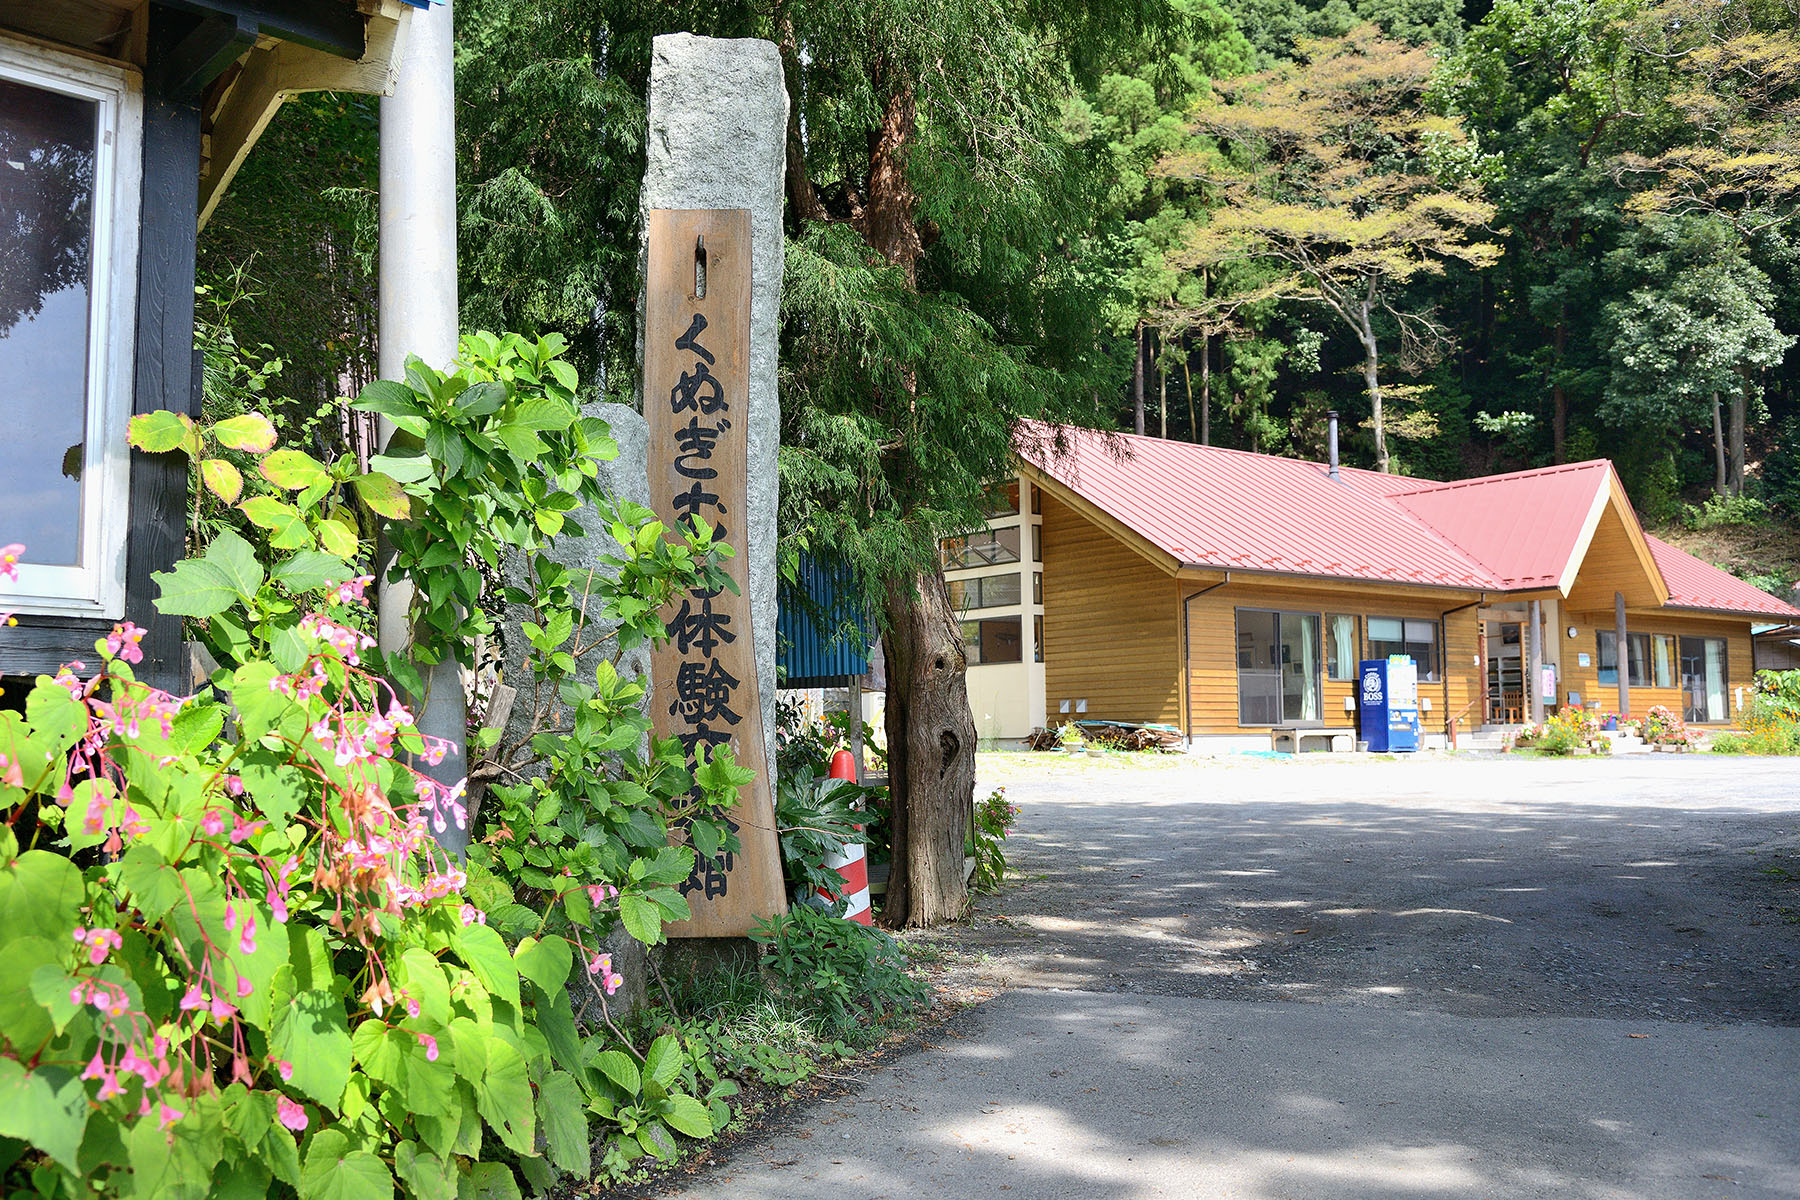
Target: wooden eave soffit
244,103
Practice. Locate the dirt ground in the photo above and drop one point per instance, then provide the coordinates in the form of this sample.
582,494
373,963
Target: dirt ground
1657,886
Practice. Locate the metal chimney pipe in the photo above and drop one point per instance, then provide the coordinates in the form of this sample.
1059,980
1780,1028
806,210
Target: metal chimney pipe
1331,439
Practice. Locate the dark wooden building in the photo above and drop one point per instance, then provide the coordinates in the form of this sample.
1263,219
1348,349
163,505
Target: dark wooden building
121,123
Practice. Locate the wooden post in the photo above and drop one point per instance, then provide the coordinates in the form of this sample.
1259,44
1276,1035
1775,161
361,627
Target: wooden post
696,388
1534,674
1622,654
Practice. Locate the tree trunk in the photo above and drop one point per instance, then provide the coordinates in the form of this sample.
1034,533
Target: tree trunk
1187,379
1734,437
931,730
1718,449
1559,399
931,753
1162,387
1372,380
1206,389
1137,384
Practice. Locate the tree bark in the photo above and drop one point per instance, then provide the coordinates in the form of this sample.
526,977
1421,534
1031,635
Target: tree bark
1718,449
1734,437
1187,379
1162,387
1206,389
1137,384
931,753
1372,380
931,729
1559,399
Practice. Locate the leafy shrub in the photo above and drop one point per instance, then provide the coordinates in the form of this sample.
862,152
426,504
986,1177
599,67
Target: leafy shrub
816,819
845,969
237,964
1569,730
1771,725
1717,511
994,817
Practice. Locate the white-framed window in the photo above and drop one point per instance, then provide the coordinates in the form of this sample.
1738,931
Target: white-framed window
71,148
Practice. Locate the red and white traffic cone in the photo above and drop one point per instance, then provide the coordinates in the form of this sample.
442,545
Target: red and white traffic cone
853,863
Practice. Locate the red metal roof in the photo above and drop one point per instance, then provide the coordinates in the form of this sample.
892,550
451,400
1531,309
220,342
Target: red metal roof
1205,506
1233,510
1524,526
1696,584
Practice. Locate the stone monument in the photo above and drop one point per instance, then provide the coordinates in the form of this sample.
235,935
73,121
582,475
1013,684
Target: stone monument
712,203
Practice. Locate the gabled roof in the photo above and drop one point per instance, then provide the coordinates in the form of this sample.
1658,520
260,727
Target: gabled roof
1202,506
1207,507
1525,526
1696,584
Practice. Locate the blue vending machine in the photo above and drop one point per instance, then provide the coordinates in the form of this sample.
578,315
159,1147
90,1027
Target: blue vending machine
1389,711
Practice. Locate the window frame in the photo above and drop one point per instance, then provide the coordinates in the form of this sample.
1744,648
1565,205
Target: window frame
1277,672
978,657
1633,679
1351,668
1432,672
954,552
95,586
960,591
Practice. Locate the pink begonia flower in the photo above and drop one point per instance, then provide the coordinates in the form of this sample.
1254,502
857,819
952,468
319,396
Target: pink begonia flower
430,1044
472,915
600,893
601,965
167,1116
247,941
244,987
412,1008
9,560
123,641
213,822
10,775
193,998
95,1068
352,589
230,918
100,943
222,1009
285,1069
292,1115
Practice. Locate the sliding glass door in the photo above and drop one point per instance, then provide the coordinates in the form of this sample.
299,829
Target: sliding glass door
1278,668
1703,678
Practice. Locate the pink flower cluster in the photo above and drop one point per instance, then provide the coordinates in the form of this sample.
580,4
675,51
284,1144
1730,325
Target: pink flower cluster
123,642
600,893
9,560
601,965
346,641
351,590
100,943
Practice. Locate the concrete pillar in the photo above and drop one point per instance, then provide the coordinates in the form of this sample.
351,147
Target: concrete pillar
1534,667
1624,653
418,305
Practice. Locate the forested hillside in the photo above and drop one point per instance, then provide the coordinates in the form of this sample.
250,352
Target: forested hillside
1491,235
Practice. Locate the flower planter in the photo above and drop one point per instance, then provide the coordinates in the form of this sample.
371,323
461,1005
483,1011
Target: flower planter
1611,724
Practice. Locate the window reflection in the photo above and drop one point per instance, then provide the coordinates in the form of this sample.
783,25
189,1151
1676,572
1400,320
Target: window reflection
46,212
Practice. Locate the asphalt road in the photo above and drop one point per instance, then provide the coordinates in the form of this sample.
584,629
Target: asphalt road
1433,977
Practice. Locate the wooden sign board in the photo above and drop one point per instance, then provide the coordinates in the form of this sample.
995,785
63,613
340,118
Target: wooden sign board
696,374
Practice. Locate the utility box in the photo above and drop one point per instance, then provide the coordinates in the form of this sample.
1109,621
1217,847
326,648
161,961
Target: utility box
1390,704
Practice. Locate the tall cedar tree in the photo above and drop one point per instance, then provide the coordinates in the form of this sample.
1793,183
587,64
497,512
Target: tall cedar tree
936,296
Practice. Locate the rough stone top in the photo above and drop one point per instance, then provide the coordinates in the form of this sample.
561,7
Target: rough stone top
722,103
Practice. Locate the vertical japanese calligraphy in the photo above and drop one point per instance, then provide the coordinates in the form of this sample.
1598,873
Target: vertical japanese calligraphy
696,370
